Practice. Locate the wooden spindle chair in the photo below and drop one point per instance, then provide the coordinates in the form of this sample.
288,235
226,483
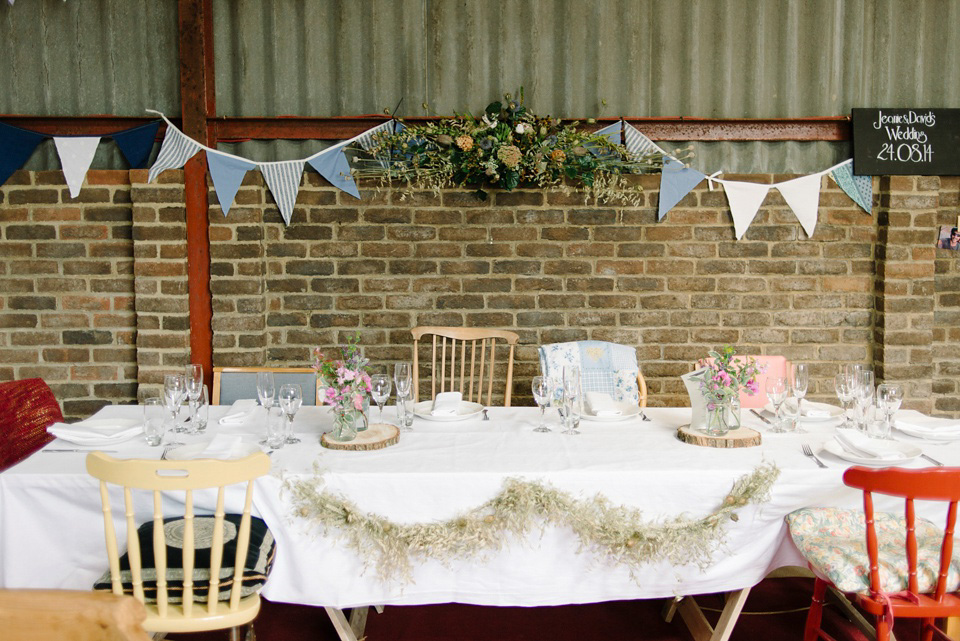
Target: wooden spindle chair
225,606
463,359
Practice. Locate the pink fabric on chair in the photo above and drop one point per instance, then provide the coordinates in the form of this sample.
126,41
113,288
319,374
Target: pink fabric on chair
774,366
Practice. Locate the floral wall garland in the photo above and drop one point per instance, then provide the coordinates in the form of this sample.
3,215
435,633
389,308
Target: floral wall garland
617,533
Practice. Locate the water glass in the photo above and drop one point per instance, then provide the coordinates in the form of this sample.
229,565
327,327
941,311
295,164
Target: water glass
265,389
291,398
276,428
889,398
380,387
542,395
202,413
863,399
403,380
790,416
154,421
572,400
799,384
776,389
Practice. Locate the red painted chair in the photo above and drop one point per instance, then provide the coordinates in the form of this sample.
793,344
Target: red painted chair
908,569
27,407
774,366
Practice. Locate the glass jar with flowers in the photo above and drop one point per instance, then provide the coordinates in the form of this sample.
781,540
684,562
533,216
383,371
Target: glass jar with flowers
724,379
347,388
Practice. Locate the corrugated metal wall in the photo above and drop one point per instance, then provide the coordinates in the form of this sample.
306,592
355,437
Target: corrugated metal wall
702,58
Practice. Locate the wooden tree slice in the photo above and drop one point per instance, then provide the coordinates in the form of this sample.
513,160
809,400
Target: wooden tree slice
740,437
376,437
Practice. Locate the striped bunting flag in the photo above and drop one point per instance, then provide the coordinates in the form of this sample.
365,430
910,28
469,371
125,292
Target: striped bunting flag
366,138
175,151
283,179
638,144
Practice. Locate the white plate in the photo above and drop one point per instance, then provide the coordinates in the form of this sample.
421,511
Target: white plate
464,411
835,412
195,450
908,452
927,435
627,411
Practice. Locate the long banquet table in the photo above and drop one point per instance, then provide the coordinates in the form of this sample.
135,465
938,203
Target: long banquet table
51,530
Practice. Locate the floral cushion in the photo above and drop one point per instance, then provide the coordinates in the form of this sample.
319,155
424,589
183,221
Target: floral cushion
834,542
604,367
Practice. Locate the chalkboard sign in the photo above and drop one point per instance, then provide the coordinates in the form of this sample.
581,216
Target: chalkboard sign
919,142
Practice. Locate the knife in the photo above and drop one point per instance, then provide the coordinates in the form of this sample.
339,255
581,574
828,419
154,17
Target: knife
761,416
89,449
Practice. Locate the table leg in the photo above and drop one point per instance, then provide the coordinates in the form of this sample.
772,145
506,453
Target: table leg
340,623
700,629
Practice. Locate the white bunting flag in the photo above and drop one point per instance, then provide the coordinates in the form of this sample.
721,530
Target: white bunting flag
638,144
175,151
803,196
745,199
283,179
76,153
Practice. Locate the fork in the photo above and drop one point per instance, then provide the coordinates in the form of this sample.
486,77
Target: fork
643,416
809,452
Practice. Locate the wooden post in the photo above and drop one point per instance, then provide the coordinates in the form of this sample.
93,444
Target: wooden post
198,104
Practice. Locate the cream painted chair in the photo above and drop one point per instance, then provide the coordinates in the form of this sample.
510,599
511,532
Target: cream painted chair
187,596
234,383
463,359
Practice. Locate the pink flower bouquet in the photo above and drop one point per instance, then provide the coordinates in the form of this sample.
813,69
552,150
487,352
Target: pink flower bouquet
726,377
347,379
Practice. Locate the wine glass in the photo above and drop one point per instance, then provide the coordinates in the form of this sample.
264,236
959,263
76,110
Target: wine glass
863,398
265,388
542,395
193,375
889,396
844,383
776,389
571,400
174,389
798,385
403,380
380,387
291,398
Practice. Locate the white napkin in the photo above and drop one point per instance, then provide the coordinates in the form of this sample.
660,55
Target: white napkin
446,404
223,447
600,404
859,445
239,412
817,410
100,433
914,421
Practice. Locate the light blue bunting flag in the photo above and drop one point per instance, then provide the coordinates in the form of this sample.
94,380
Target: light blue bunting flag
676,181
16,145
175,151
859,188
610,131
227,173
135,144
334,167
283,179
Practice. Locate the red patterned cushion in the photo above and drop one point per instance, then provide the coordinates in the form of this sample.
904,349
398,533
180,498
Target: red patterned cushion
27,407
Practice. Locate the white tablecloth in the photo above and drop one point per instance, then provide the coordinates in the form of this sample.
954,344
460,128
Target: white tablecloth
51,530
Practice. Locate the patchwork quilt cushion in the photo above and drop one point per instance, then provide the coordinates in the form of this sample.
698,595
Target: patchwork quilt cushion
604,367
834,542
259,560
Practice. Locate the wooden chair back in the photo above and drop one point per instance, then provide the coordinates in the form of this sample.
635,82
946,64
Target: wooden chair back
157,477
54,615
464,359
928,484
233,383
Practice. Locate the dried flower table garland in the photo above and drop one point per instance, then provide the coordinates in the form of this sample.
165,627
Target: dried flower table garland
617,532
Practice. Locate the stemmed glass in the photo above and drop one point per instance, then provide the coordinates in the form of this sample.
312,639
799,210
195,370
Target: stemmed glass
776,389
801,379
403,379
844,384
380,387
193,375
542,395
863,398
265,389
174,389
571,400
889,396
291,398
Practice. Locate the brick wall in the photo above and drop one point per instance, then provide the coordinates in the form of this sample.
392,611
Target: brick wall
542,263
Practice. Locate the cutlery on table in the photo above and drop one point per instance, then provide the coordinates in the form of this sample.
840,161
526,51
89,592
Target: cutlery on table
809,453
761,417
485,416
643,416
86,449
932,460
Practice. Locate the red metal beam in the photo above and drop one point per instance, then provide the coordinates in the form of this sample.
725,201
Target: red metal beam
197,100
81,125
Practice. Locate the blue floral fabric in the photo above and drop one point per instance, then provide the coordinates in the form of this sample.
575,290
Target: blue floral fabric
604,367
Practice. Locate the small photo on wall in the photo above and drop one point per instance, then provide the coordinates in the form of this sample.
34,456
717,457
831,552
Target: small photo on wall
949,238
